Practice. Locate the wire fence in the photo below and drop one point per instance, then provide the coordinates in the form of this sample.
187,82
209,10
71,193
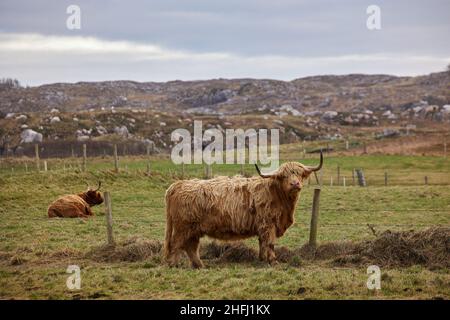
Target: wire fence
154,168
160,168
106,157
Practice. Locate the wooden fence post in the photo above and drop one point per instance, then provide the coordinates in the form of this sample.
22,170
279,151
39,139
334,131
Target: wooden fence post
208,171
361,178
148,160
365,148
343,182
338,175
36,152
109,220
426,180
346,145
26,167
318,182
84,157
45,165
116,159
331,181
314,219
182,171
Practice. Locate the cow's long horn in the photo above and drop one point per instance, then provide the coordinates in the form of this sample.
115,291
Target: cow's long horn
319,166
261,174
99,185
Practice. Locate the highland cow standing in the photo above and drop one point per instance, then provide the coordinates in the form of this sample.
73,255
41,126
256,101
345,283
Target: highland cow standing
232,209
76,205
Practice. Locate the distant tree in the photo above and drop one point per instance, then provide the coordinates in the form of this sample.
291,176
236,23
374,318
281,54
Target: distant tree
9,83
448,67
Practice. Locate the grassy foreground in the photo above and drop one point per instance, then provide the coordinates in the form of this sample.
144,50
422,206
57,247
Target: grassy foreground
35,251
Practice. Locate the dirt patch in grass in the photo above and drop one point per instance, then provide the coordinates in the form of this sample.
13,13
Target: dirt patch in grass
130,250
430,248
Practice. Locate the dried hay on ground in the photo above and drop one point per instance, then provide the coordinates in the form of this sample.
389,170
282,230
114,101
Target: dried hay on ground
430,248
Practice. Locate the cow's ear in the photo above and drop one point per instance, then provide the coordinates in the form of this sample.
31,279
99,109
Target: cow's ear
306,174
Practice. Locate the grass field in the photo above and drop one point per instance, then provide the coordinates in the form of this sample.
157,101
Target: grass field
35,251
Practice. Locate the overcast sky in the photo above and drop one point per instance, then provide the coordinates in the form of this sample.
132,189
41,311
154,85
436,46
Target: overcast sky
183,39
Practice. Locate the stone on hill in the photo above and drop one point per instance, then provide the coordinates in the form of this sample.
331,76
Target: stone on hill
55,120
101,130
30,136
83,138
122,131
329,115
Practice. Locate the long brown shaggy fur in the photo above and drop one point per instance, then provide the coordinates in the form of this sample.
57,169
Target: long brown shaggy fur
75,205
231,209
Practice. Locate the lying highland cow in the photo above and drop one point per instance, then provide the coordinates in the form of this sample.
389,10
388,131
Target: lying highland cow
76,205
233,208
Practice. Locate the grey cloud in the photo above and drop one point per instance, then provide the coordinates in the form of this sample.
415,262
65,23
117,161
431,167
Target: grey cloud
246,29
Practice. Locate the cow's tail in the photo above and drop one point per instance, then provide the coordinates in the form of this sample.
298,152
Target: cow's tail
169,230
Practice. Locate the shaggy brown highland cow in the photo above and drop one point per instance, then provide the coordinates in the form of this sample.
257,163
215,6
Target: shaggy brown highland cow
76,205
233,208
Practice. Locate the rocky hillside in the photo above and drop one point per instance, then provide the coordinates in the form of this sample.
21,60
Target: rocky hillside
320,107
236,96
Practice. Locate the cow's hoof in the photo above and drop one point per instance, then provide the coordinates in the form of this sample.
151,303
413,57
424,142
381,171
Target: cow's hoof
197,265
274,263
